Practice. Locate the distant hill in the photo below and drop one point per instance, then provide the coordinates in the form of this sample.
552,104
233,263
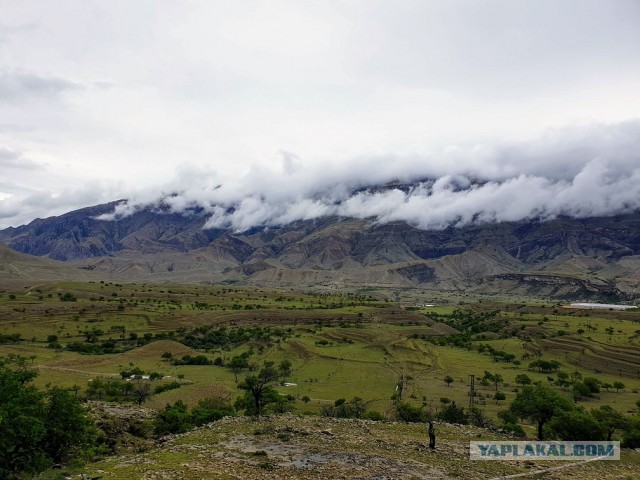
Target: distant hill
594,258
18,268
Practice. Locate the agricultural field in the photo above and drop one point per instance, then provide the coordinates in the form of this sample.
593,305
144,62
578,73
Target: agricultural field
340,345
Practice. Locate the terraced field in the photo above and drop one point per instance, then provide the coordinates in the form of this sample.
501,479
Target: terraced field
340,345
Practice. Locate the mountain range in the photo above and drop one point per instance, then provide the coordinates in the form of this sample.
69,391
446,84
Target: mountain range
564,258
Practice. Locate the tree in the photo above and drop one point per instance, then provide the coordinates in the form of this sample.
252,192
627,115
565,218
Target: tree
563,379
544,365
355,408
499,396
410,413
358,407
618,386
497,380
68,427
284,369
38,428
451,413
576,424
142,392
280,403
448,380
539,404
209,410
22,414
631,438
610,419
510,423
593,384
238,363
576,376
580,390
67,297
258,389
173,419
523,379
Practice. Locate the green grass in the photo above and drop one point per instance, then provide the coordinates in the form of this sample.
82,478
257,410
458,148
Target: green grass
364,357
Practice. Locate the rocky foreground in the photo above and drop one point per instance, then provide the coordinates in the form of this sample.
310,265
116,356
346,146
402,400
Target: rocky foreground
303,447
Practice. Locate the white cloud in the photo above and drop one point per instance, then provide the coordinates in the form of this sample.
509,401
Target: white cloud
120,94
20,85
593,171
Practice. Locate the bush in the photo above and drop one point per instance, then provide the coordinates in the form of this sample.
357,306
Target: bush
355,408
173,419
209,410
177,419
39,428
189,360
410,413
453,414
576,425
631,437
68,297
514,429
165,387
593,384
374,415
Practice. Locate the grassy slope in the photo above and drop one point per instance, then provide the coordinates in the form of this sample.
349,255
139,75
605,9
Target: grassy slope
365,361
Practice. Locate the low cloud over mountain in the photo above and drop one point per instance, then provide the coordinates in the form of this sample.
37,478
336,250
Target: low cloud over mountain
578,172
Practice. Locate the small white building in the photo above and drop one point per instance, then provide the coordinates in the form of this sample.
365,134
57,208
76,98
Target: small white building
602,306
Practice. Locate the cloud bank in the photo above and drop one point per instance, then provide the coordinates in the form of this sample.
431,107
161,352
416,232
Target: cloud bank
20,85
100,102
579,172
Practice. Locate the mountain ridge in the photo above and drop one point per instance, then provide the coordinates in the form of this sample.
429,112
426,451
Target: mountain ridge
165,246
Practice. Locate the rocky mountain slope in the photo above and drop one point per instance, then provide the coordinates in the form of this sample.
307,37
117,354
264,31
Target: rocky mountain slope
596,258
304,447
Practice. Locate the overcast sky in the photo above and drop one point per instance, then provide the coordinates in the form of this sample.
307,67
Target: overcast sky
290,104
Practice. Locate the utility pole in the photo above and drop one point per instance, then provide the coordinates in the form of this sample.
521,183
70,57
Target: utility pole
472,389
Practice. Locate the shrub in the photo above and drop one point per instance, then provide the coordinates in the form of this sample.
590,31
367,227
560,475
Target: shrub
410,413
165,387
177,419
173,419
68,297
39,428
209,410
576,425
355,408
451,413
374,415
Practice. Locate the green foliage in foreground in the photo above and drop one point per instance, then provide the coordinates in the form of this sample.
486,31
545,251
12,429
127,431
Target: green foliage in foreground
176,418
38,429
